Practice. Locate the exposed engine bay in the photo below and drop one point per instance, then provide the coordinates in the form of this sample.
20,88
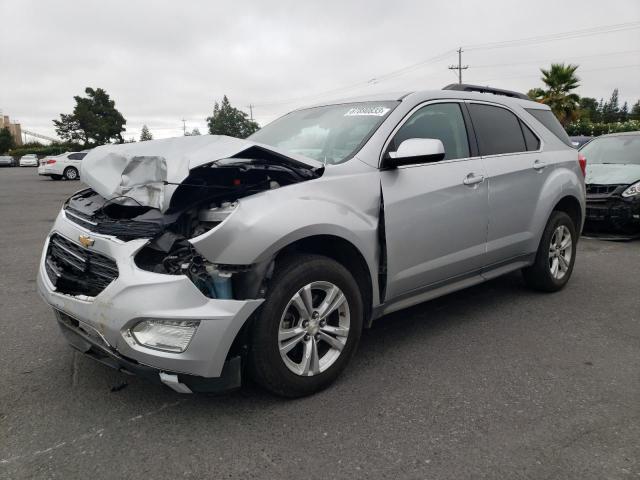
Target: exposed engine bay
201,202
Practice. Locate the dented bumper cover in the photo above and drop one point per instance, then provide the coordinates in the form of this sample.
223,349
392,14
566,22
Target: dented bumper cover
101,323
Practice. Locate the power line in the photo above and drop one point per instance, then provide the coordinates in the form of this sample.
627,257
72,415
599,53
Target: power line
632,65
598,30
585,32
371,81
546,60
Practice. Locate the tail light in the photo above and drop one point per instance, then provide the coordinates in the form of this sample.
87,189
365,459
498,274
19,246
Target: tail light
50,162
582,160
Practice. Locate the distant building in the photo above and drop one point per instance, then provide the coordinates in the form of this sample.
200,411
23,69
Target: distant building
14,128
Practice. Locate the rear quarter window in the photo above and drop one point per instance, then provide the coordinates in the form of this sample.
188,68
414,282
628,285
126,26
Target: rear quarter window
549,120
533,143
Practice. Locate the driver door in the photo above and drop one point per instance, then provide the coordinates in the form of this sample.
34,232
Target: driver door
436,214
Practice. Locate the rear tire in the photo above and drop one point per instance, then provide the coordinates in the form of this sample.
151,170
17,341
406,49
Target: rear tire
71,173
305,308
555,257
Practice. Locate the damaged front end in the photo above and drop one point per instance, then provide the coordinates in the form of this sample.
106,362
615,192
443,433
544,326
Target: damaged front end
124,269
207,197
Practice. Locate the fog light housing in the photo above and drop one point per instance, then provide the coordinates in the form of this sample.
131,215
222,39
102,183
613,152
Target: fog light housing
166,335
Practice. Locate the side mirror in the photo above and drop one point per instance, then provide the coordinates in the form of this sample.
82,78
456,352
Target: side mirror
413,151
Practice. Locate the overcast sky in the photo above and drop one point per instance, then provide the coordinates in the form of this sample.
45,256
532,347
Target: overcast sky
164,61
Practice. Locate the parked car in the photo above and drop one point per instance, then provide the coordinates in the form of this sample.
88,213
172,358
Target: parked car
188,257
66,166
29,160
613,182
6,161
580,140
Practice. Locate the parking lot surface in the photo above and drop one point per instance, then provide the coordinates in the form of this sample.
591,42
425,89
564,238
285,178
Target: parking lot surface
493,382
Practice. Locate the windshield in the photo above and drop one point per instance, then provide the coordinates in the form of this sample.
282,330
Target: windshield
621,149
330,134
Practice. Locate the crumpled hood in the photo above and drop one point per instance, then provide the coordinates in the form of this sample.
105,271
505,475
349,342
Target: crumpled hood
143,173
612,174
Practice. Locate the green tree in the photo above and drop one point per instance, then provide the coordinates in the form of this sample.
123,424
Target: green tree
94,121
560,80
588,109
635,111
6,140
624,112
192,133
611,109
227,120
145,134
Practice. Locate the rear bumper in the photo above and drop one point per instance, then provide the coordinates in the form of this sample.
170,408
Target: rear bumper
47,171
613,213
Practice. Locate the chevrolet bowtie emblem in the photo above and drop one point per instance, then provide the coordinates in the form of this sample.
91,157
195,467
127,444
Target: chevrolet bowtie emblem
86,241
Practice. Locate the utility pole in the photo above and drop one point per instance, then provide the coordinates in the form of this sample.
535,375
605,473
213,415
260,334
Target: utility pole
184,127
459,67
251,111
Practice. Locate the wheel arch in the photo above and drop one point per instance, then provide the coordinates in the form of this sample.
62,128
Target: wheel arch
332,246
343,252
570,205
564,191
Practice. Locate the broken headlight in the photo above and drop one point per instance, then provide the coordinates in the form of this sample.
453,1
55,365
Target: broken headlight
632,191
167,335
212,217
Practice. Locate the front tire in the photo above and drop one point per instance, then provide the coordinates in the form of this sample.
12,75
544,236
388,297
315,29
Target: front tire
309,326
71,173
556,255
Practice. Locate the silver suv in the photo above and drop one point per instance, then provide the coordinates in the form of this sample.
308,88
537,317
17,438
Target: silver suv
192,261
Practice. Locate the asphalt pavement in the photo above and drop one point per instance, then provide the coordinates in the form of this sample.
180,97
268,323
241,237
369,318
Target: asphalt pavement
493,382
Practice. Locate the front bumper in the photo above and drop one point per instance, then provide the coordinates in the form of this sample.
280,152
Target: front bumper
81,338
137,294
613,213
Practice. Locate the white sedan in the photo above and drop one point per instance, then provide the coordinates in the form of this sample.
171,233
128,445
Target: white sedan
29,160
66,165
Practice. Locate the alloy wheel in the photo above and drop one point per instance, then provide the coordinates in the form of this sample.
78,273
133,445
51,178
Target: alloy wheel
314,328
560,252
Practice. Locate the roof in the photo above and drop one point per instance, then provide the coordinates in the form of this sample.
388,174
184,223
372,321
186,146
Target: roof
434,95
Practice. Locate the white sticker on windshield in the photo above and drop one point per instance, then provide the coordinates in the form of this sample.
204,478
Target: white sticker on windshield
375,111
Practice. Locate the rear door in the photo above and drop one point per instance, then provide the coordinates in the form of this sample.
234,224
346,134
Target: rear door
435,213
516,171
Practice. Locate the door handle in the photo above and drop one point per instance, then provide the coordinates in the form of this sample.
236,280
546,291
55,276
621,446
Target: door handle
538,165
473,179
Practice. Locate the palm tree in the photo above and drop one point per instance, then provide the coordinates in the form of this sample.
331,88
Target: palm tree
560,79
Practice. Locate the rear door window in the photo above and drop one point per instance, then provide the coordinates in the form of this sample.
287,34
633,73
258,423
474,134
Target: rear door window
443,121
497,129
77,156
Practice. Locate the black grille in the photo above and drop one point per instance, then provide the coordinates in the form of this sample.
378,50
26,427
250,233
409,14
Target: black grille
76,270
594,189
123,228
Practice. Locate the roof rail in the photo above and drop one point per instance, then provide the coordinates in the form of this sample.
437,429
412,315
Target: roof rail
465,87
